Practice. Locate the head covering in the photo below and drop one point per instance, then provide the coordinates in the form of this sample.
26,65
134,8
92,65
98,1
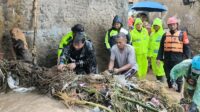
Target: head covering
79,37
117,19
77,28
137,21
172,20
196,64
158,22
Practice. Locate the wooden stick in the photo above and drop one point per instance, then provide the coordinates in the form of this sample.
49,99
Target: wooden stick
66,98
35,30
138,103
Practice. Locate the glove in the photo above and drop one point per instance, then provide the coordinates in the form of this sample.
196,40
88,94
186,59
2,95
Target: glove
193,108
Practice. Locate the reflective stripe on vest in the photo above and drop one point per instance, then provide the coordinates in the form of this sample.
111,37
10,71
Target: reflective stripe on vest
173,42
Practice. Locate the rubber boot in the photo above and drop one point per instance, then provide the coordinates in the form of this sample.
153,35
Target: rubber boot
160,78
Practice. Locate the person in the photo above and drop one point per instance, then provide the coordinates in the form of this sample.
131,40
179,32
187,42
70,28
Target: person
140,40
130,22
66,39
79,56
111,34
174,47
20,46
190,70
124,55
154,44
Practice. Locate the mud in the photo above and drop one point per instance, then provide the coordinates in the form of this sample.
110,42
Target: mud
31,102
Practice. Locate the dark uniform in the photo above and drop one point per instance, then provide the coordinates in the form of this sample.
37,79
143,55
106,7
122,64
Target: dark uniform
84,58
174,48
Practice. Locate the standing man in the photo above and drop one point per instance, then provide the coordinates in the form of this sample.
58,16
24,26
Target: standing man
111,34
124,55
140,41
174,48
79,56
190,70
154,45
68,38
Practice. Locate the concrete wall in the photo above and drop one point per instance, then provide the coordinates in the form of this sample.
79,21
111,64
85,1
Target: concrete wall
56,17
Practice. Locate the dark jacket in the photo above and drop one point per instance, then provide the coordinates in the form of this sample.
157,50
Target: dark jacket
173,56
84,58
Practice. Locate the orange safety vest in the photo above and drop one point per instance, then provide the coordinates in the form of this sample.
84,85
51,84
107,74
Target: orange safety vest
174,42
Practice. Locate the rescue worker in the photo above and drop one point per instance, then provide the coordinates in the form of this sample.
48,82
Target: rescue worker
124,55
68,38
154,44
190,70
174,48
20,45
130,22
111,34
140,40
79,56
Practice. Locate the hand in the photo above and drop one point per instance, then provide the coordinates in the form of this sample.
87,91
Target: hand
116,70
158,62
71,66
61,67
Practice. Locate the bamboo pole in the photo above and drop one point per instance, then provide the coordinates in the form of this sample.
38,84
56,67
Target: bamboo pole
35,23
138,103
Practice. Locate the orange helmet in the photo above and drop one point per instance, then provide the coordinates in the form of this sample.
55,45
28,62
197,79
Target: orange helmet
172,20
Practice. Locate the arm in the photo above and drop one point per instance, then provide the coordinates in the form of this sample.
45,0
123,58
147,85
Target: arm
112,60
125,68
161,49
65,55
180,69
186,46
111,64
107,40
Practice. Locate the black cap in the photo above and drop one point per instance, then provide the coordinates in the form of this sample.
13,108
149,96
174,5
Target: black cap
79,37
77,28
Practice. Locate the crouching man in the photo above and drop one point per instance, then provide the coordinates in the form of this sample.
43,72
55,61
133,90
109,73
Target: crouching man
190,70
79,56
124,55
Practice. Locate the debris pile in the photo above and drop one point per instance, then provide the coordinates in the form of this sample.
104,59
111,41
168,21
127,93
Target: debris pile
103,92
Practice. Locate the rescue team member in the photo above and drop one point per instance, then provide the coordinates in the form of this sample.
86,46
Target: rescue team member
79,56
69,37
140,40
124,55
174,48
154,44
190,70
111,34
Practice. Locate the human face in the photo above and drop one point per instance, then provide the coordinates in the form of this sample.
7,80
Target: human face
139,26
117,25
78,45
156,27
121,42
173,26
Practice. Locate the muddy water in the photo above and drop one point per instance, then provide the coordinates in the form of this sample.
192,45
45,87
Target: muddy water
31,102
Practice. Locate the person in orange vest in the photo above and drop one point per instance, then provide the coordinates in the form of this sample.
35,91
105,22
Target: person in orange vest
174,48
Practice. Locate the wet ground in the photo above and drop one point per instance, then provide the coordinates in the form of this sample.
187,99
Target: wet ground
31,102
